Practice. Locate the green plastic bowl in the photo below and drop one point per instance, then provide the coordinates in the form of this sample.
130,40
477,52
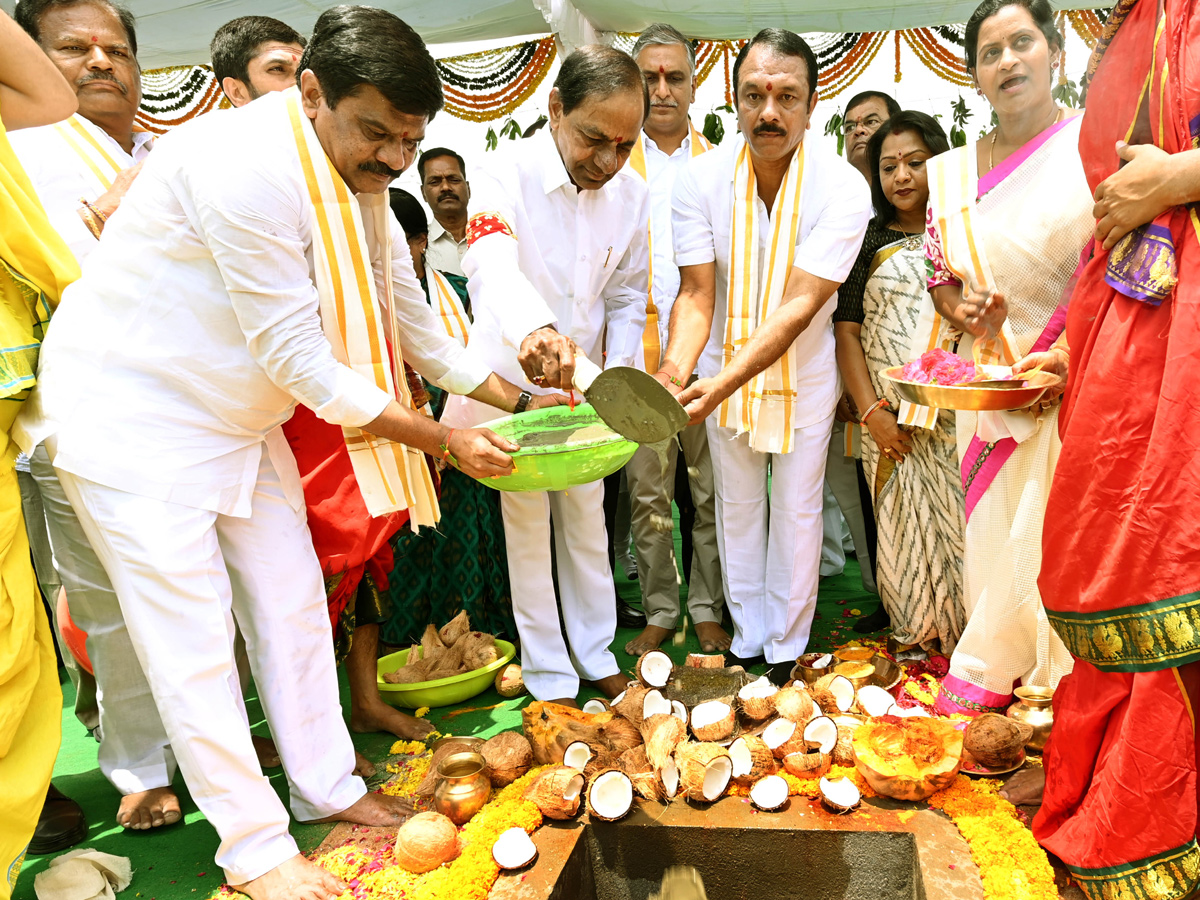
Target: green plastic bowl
440,691
549,458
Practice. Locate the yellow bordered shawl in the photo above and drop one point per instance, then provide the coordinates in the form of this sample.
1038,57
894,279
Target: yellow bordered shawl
95,157
651,342
448,307
763,406
349,231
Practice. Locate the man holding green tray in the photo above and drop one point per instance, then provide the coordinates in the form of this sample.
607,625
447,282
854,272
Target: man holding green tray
557,267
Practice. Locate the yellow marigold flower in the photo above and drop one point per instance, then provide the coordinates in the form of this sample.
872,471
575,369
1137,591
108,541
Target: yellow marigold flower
422,712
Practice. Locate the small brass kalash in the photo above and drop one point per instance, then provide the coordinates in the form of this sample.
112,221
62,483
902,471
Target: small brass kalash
462,786
1033,707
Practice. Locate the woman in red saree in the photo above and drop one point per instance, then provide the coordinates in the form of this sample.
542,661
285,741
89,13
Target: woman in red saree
1120,578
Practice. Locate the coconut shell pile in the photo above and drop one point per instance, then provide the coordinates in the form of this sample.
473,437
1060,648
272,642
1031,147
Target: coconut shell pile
453,649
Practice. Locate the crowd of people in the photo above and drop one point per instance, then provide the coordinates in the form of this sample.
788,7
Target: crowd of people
245,379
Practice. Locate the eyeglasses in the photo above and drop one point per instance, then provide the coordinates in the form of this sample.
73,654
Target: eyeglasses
871,123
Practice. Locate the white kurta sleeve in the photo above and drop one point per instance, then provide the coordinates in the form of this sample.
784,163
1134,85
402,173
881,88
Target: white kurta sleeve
832,246
423,341
252,227
625,297
494,277
691,227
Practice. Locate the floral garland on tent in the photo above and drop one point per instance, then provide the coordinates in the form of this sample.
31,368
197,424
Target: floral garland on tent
174,95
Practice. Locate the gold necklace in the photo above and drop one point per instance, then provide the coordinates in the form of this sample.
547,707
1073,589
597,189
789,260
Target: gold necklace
996,133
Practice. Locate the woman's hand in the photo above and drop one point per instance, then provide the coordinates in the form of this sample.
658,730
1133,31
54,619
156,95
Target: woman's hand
481,453
983,314
893,441
1135,194
1055,361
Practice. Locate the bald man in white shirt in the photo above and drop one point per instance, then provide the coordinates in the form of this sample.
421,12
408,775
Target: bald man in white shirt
557,266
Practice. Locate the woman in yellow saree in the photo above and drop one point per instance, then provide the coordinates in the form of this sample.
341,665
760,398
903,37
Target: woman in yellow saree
35,266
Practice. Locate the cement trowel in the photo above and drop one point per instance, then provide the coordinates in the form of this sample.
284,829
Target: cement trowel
631,402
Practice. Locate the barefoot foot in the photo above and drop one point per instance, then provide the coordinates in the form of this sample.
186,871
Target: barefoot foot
382,717
1026,787
713,638
612,686
651,638
570,702
373,809
149,809
293,879
265,750
363,767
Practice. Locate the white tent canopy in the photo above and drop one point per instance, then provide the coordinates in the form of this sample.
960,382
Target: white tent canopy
177,32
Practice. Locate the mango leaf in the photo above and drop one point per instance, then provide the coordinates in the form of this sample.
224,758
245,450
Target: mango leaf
714,128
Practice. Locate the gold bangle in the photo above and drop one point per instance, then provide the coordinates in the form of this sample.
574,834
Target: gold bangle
89,220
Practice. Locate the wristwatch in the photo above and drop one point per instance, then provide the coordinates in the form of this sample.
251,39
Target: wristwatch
522,402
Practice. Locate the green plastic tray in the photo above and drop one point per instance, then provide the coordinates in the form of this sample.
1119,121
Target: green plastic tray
440,691
549,460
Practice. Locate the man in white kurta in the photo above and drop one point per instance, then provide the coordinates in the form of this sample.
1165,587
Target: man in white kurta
667,145
564,249
770,548
191,336
81,169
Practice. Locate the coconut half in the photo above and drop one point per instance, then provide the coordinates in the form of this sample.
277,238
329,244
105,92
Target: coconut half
840,794
821,734
704,771
833,693
713,720
669,775
514,849
595,705
577,755
758,699
896,710
556,792
807,763
679,711
782,737
843,750
662,735
654,703
654,669
705,661
610,795
821,662
875,701
794,704
769,793
751,759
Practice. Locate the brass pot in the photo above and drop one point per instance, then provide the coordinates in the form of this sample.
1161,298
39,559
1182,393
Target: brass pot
854,653
805,673
462,786
1033,707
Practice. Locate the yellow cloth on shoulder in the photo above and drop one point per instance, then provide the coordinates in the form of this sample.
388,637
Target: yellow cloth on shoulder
35,268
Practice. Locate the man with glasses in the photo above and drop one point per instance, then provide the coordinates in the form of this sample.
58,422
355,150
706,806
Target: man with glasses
864,114
445,188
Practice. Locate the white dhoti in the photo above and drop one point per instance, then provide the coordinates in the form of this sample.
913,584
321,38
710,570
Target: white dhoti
550,666
182,575
770,546
134,753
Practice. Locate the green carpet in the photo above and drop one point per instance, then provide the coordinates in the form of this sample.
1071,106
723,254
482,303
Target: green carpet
175,863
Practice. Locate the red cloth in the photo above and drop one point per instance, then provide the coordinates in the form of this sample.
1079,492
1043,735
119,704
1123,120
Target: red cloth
346,537
1120,548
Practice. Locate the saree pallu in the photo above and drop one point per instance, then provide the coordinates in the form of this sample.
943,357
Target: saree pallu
1121,580
1031,220
918,503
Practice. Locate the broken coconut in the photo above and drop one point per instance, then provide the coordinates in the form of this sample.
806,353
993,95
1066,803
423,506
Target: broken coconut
509,682
758,699
833,693
638,703
704,770
551,728
996,741
901,711
654,669
821,734
843,750
751,759
874,700
713,720
424,842
514,849
769,793
705,661
679,711
455,628
619,734
794,703
908,759
662,734
669,776
807,763
578,754
634,763
556,792
840,794
610,795
595,705
782,737
508,757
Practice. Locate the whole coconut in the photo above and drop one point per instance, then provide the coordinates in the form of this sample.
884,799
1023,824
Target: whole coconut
996,741
508,756
509,682
424,842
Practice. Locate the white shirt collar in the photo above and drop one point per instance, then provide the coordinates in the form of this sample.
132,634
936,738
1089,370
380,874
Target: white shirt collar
554,173
685,147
